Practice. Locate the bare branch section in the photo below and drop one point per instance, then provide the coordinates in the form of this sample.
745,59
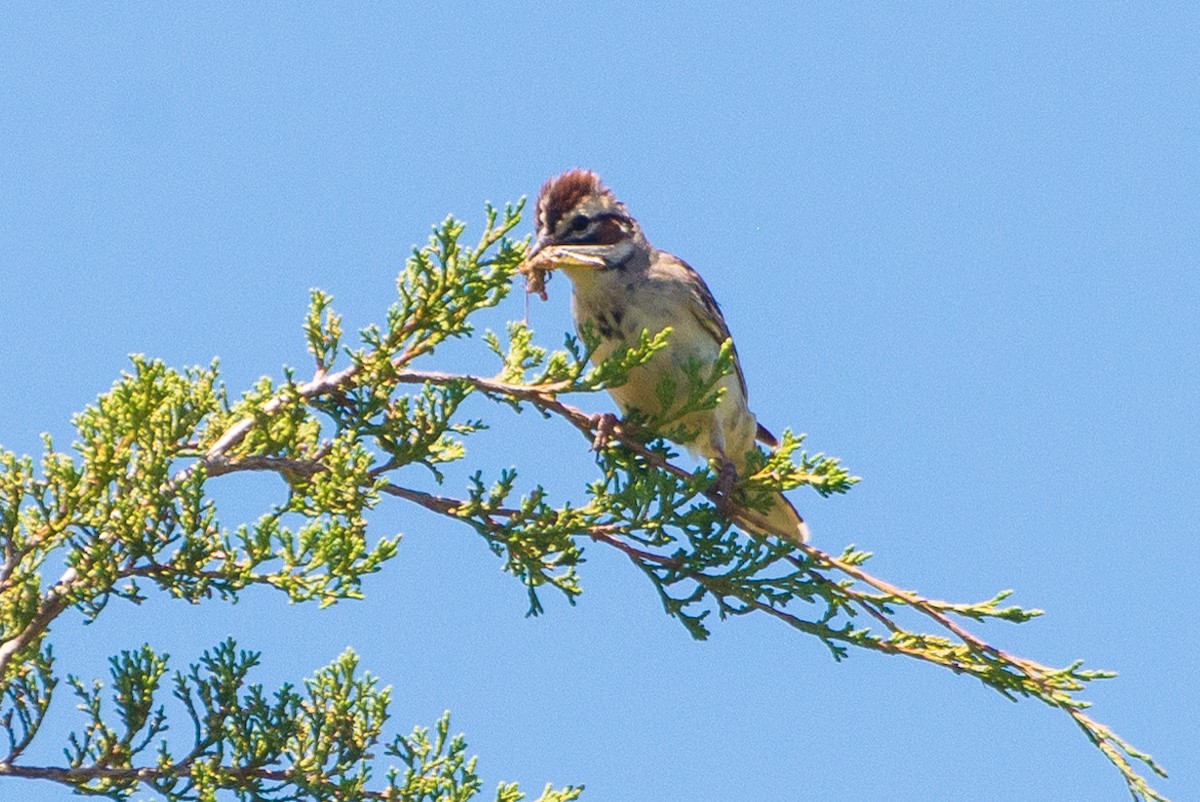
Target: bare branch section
131,505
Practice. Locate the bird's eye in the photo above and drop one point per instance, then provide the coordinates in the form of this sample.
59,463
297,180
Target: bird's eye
579,222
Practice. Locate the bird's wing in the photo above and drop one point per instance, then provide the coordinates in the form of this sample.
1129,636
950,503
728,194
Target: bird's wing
704,308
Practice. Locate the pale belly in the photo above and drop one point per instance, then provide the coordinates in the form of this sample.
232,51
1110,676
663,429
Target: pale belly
658,391
605,300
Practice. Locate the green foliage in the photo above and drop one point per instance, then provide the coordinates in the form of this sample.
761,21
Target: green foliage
26,700
438,770
317,743
135,678
131,503
537,540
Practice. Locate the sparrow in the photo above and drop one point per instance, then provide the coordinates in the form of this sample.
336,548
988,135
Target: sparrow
622,286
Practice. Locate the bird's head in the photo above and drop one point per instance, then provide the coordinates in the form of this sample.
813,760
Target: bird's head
581,224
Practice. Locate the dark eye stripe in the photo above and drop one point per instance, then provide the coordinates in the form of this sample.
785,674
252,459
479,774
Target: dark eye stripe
608,232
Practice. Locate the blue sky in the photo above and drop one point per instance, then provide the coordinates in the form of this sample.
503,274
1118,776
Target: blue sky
957,245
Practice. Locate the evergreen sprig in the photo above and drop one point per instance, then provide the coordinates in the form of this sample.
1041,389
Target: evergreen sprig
128,509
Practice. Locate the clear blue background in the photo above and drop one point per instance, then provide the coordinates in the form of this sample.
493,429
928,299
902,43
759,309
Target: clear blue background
957,244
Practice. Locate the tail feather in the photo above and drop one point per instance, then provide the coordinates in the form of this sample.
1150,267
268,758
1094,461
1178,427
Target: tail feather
780,519
763,435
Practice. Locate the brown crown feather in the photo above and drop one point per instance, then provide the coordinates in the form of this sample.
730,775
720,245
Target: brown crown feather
563,193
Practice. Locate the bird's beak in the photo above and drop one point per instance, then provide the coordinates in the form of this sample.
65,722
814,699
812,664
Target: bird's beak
553,257
537,247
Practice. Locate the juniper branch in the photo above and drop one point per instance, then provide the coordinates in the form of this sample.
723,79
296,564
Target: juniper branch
135,508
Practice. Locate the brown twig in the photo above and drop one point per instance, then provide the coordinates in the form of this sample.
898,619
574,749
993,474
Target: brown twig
85,774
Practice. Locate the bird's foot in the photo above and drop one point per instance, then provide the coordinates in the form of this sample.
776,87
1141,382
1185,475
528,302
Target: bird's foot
723,487
604,423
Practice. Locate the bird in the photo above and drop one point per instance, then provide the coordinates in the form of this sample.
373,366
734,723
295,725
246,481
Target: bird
623,286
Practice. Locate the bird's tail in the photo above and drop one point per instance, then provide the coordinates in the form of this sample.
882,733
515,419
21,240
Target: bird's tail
779,519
